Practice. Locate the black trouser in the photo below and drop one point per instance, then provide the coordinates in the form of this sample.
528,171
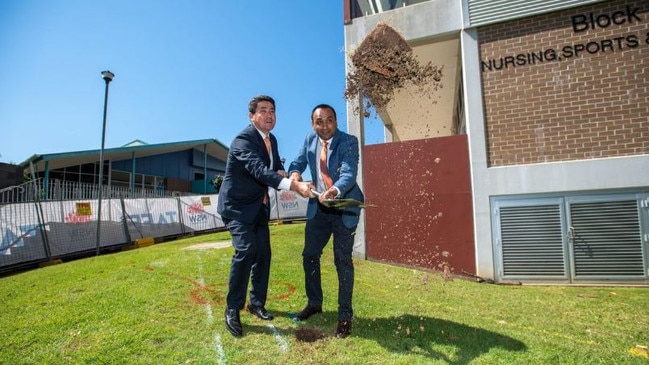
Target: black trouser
251,259
318,230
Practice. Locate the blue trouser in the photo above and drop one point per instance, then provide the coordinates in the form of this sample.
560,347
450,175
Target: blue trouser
251,259
317,233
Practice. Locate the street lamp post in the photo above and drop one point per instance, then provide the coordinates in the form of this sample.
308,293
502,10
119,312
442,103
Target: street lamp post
108,77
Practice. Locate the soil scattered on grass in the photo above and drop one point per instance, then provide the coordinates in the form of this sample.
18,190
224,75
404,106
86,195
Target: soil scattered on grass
306,334
384,62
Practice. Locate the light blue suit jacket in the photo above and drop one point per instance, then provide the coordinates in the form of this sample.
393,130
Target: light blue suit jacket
342,166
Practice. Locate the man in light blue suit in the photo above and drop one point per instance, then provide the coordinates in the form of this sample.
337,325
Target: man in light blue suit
332,157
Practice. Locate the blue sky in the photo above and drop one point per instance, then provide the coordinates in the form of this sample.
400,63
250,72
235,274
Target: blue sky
184,70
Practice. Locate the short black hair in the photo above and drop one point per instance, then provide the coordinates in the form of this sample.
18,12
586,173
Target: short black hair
326,106
252,105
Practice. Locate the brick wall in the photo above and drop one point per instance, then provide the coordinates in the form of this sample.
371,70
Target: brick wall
10,175
555,89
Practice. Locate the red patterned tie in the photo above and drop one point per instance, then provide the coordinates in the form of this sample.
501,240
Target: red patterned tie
323,166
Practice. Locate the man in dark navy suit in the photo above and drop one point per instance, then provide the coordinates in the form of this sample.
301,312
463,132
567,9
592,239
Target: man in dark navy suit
332,157
253,165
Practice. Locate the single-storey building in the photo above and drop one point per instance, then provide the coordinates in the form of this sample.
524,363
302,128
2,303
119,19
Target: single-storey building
175,168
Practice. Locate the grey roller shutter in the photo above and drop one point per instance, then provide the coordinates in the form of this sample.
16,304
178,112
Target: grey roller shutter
532,241
579,238
606,239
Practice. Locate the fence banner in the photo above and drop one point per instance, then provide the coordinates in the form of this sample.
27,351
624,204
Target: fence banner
157,217
18,231
198,213
287,204
38,231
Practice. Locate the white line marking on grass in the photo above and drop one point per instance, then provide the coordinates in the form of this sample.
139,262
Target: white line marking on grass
219,348
210,317
207,306
283,345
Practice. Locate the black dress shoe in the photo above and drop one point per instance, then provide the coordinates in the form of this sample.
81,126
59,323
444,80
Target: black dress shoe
233,322
260,312
344,329
307,312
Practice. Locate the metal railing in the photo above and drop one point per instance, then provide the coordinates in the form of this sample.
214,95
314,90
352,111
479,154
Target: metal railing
36,190
16,194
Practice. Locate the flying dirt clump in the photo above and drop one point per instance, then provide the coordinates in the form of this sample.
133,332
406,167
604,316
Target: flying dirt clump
384,62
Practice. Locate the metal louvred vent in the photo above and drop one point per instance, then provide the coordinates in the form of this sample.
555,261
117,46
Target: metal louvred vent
483,12
606,239
579,238
532,241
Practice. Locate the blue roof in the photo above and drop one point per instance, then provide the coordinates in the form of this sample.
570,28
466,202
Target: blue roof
131,150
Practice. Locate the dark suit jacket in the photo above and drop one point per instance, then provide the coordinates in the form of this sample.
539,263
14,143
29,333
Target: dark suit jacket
342,166
247,176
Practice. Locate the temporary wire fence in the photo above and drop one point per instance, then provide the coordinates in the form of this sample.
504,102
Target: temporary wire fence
38,231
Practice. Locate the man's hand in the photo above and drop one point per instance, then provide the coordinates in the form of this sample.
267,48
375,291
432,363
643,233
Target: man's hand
296,176
302,188
331,193
283,173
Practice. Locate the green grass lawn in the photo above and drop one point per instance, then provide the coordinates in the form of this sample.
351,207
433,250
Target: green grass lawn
164,304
